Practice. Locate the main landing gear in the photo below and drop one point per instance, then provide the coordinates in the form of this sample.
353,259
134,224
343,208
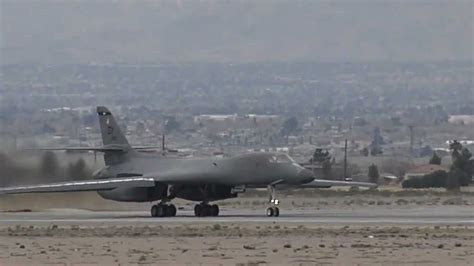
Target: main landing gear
273,201
163,210
204,209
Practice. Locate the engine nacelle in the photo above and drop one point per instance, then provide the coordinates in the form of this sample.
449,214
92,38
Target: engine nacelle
136,194
213,192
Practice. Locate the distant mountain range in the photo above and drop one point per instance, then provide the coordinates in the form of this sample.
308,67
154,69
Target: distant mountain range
58,32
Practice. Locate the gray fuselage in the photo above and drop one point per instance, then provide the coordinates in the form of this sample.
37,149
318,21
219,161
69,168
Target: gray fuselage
184,174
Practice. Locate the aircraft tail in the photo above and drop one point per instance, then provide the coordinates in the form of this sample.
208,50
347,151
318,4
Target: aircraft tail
115,145
111,133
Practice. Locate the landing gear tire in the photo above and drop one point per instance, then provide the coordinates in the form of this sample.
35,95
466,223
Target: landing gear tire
198,210
214,210
276,211
170,211
162,210
269,211
273,211
154,211
174,210
204,210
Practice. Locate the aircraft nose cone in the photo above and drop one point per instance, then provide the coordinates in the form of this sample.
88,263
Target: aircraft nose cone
305,176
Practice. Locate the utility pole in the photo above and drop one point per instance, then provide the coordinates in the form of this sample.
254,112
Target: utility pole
163,149
345,159
412,139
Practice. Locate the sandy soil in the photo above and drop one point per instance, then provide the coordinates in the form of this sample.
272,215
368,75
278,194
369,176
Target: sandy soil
241,243
237,244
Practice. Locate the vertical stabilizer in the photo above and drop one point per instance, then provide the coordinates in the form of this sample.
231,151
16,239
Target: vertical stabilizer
111,133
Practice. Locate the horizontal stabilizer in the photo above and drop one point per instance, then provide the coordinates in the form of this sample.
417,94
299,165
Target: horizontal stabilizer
96,149
108,148
76,186
151,148
322,183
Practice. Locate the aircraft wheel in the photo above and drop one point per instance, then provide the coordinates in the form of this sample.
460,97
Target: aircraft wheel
161,210
171,210
206,210
167,212
270,211
198,210
276,211
214,210
154,211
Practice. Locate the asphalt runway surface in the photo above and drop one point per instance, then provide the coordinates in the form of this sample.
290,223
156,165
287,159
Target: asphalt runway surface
437,215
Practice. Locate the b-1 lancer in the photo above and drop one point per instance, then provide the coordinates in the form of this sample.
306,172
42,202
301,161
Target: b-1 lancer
133,176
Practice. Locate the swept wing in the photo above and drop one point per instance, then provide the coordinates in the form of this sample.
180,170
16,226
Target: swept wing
87,185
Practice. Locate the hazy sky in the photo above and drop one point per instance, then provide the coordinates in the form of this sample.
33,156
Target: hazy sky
55,32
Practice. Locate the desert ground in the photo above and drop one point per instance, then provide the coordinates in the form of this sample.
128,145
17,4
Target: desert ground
352,234
237,244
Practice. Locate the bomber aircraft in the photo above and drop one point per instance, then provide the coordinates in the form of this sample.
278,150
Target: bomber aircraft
133,176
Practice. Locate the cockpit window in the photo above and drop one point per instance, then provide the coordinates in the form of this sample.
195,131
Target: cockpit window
280,158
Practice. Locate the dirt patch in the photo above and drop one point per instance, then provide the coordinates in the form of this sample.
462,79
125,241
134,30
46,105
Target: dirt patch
236,244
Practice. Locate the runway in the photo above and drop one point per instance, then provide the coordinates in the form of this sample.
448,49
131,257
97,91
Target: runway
433,215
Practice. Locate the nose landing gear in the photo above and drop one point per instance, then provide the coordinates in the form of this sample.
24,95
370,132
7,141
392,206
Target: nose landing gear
273,211
273,201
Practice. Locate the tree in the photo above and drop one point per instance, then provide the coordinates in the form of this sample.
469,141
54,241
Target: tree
455,146
364,152
437,179
461,158
49,166
462,161
327,169
78,170
10,171
455,176
289,126
141,128
373,174
320,155
377,142
436,159
412,183
374,151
